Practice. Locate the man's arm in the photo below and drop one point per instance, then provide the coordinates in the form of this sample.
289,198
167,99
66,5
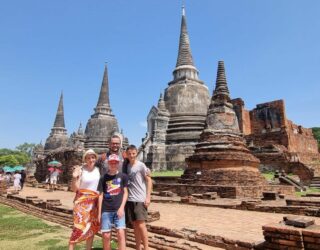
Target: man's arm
149,189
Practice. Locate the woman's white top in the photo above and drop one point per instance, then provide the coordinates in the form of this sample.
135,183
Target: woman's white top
89,179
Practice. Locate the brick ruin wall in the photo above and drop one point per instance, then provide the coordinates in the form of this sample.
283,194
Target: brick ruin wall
277,141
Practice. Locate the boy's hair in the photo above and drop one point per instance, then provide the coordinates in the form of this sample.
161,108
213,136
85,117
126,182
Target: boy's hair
131,147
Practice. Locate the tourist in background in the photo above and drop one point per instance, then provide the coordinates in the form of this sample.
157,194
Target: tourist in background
114,148
2,175
85,180
113,196
139,189
16,181
23,178
54,178
8,179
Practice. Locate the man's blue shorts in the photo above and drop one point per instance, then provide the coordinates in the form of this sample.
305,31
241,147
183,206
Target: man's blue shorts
111,218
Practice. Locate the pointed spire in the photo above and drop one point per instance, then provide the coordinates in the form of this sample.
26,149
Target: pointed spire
59,121
184,55
221,83
161,104
104,92
80,130
103,105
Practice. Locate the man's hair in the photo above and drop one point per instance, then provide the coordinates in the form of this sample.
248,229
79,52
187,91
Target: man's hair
131,147
115,136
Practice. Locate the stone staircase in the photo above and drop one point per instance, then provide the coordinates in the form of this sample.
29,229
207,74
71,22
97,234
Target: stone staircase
315,182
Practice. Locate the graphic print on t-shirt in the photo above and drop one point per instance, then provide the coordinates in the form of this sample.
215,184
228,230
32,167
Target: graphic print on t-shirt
113,187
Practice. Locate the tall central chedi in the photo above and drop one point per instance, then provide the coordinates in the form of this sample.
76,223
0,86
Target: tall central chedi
102,124
221,156
175,125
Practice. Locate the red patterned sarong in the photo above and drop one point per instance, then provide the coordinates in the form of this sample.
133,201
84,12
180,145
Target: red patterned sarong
85,215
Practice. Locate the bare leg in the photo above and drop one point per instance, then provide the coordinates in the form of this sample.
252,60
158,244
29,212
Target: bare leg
71,246
140,227
106,239
137,235
121,239
89,242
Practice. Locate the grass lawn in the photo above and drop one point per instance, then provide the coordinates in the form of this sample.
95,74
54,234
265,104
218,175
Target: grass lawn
268,175
20,231
309,190
178,173
175,173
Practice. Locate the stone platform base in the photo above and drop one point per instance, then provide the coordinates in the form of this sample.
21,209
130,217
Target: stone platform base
223,191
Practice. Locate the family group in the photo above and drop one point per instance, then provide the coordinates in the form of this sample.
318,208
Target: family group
112,190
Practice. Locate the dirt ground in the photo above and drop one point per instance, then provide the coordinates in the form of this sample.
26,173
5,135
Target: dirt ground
229,223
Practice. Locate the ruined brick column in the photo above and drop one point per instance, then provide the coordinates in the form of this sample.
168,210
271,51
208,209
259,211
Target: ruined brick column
221,156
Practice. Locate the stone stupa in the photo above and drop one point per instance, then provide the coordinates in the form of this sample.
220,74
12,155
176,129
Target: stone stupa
174,126
58,136
102,124
221,157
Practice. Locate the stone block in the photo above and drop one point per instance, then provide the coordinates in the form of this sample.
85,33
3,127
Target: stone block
298,221
210,195
282,196
166,193
54,202
269,195
198,196
188,199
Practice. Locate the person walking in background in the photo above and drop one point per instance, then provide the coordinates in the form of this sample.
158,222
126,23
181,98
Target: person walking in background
8,179
16,181
113,196
85,180
54,178
23,178
2,176
139,188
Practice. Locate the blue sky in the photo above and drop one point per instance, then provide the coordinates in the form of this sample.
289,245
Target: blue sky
271,51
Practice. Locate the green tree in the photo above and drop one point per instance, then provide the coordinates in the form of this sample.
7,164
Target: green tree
316,133
8,160
26,148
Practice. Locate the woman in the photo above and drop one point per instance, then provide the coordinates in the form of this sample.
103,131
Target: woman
85,180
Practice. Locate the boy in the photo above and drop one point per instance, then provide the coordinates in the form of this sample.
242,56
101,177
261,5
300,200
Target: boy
139,188
113,196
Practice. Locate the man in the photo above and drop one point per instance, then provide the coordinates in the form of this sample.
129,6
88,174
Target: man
114,148
23,178
140,186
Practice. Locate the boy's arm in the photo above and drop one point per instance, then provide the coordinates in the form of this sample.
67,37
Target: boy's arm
120,212
149,189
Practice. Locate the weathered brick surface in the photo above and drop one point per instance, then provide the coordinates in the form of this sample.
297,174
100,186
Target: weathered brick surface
280,236
277,141
304,201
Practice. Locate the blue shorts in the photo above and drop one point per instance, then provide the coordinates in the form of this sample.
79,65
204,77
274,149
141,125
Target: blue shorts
111,218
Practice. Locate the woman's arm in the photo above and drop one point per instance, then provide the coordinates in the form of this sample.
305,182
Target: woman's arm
76,178
100,206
